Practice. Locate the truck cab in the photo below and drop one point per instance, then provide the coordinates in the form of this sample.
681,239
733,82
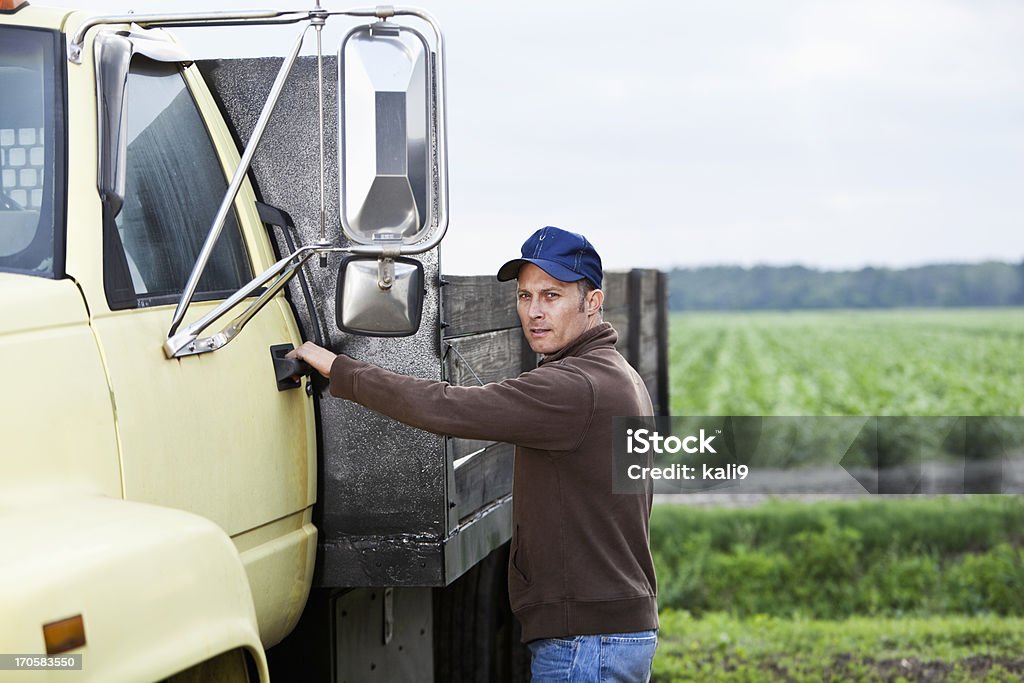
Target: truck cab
174,503
150,471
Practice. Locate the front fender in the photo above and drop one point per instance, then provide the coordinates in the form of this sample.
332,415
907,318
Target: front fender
158,589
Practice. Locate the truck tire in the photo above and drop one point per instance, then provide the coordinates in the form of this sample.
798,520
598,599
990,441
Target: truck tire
235,666
476,637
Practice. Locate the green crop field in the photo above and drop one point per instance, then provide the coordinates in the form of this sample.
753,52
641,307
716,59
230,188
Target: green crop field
892,362
909,589
915,589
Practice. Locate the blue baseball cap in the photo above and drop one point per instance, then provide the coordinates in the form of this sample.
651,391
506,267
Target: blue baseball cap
561,254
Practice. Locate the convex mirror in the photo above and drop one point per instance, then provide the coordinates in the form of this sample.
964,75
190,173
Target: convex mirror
382,297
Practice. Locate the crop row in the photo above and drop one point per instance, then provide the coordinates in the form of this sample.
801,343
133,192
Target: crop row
896,362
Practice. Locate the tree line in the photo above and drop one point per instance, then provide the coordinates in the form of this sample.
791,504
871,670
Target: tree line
796,287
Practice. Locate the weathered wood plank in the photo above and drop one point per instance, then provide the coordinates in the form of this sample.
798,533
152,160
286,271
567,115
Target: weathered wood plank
634,296
615,294
650,288
662,401
477,303
483,479
646,337
652,337
616,308
489,357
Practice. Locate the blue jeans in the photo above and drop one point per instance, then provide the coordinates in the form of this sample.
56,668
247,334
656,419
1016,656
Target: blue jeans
618,657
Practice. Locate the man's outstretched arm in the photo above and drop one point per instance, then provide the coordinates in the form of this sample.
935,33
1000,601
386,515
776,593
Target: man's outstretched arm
549,408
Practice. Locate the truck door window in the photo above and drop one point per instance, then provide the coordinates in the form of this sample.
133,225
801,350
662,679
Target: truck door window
174,184
31,151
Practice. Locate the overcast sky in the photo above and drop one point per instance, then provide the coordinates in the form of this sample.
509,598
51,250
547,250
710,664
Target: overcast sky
828,134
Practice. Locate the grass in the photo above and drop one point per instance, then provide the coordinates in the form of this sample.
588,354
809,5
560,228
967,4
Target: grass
923,556
719,647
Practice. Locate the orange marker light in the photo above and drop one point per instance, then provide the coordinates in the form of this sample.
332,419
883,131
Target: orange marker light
64,635
11,5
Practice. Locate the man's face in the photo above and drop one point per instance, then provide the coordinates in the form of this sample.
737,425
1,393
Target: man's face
550,310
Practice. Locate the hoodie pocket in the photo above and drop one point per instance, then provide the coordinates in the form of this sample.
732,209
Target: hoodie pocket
520,566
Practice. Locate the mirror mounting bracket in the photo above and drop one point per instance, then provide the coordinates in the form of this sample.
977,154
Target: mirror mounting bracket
383,28
386,269
188,343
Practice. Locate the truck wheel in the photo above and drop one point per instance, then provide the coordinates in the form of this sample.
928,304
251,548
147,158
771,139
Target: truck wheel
235,666
476,637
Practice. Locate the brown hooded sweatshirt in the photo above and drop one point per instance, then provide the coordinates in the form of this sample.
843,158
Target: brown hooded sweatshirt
580,562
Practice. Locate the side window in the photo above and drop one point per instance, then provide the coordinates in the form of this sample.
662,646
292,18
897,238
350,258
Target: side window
174,184
31,151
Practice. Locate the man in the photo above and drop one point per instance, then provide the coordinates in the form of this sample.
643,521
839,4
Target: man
581,579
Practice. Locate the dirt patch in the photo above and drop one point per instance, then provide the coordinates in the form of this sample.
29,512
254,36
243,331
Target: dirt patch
917,671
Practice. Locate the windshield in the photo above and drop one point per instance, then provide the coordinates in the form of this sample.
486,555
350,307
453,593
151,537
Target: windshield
31,140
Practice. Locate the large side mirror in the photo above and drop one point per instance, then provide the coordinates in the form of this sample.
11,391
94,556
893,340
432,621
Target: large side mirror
382,297
391,137
394,194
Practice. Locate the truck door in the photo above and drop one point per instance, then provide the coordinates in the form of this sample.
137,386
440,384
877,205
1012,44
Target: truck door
208,433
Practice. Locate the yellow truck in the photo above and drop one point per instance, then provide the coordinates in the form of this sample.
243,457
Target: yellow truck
173,503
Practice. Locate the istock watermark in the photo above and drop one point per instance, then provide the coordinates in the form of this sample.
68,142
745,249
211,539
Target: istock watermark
823,455
646,440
